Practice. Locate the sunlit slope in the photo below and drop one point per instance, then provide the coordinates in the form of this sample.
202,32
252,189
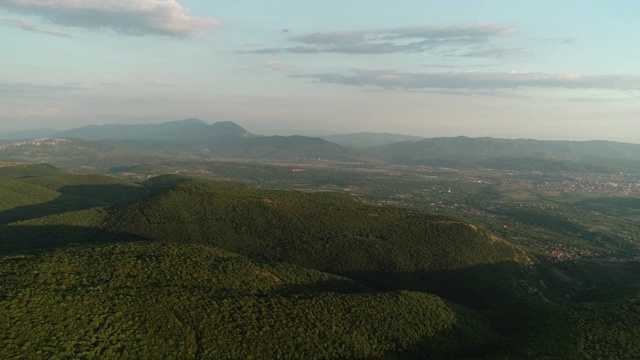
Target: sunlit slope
154,300
383,247
31,191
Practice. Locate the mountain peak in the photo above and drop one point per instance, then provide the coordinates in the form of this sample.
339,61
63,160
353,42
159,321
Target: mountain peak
189,121
227,128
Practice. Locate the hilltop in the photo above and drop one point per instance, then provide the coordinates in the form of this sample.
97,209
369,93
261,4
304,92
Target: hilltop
381,247
180,131
365,140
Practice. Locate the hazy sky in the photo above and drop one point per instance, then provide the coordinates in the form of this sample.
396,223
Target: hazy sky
565,69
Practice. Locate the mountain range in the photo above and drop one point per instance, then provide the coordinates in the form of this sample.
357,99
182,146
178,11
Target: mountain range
366,140
28,134
193,138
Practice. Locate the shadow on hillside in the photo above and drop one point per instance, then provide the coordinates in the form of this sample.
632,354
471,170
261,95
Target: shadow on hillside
455,343
21,239
478,287
602,274
74,198
340,286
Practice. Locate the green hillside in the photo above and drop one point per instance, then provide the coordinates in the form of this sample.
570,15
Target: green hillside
383,247
599,326
152,300
31,191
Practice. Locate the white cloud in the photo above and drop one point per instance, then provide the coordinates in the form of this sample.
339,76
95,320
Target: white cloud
24,25
24,112
132,17
477,80
412,39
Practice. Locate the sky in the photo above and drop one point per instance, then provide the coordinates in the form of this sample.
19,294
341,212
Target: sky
514,69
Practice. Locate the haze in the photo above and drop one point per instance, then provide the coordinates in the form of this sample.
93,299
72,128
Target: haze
543,69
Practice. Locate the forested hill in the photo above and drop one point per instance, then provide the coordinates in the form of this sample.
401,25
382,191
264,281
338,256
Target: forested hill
32,191
517,154
175,301
384,248
287,148
365,140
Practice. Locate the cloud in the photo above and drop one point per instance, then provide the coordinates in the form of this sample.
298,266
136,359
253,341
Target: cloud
494,52
559,40
130,17
413,39
21,24
158,83
476,80
15,90
29,112
274,65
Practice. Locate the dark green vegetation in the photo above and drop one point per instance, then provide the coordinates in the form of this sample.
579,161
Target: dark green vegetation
382,247
151,300
31,191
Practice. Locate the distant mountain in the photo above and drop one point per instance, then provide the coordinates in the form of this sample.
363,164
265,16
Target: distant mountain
228,128
94,155
364,140
28,134
289,148
517,154
182,131
225,139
